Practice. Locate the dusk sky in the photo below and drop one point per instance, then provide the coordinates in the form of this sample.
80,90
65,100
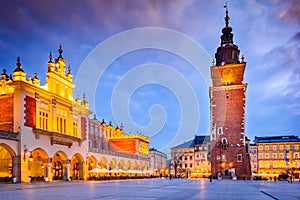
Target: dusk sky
165,95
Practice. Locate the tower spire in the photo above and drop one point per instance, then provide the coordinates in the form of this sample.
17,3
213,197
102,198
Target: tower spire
227,18
228,52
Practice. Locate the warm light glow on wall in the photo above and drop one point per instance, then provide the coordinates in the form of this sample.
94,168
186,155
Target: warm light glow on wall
223,165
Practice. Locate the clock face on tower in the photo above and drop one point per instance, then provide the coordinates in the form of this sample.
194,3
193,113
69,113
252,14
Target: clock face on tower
227,73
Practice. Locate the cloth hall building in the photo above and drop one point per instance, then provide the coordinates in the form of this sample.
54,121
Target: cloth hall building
46,134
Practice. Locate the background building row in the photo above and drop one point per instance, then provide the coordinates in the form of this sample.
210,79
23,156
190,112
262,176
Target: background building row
275,155
270,156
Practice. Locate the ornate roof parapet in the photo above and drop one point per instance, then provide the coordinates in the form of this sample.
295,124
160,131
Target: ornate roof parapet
77,100
103,122
138,136
4,87
36,80
84,101
69,75
19,74
50,63
58,82
4,75
60,63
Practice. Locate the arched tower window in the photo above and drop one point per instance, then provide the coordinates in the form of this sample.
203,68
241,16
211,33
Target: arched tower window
224,141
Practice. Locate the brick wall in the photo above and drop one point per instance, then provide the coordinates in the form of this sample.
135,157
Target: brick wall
228,113
124,145
7,114
83,128
30,112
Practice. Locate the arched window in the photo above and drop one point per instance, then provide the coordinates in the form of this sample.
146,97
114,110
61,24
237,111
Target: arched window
224,141
220,130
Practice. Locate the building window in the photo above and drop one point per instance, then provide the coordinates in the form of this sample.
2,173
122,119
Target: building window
223,157
274,147
267,148
296,147
281,147
224,141
267,164
260,148
43,118
213,124
282,164
191,157
220,130
260,156
274,155
261,164
61,125
191,165
266,156
185,165
213,136
281,155
75,129
296,155
239,157
287,147
274,164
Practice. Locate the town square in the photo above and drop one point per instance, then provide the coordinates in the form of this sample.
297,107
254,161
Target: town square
149,99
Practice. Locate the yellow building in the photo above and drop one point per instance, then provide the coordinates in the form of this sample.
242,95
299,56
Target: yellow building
45,133
277,155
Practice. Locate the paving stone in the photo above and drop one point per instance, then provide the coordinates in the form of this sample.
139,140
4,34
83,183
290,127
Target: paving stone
153,189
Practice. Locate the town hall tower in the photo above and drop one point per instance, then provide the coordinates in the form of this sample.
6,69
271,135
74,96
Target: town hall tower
229,155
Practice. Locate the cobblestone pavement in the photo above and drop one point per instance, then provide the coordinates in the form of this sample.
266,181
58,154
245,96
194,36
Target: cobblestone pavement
175,189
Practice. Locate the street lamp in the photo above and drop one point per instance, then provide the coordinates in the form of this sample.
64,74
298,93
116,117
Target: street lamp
30,157
26,149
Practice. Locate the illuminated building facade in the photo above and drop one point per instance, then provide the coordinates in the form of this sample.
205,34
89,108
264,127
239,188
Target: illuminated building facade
229,153
277,155
158,162
191,158
46,134
253,158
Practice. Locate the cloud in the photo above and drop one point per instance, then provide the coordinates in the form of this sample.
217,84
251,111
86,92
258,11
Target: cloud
289,12
296,37
280,79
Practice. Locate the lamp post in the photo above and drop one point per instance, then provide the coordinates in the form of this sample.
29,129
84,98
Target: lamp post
26,150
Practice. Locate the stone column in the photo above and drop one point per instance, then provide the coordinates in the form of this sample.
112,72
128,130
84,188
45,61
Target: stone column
24,168
17,167
82,170
48,172
66,170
